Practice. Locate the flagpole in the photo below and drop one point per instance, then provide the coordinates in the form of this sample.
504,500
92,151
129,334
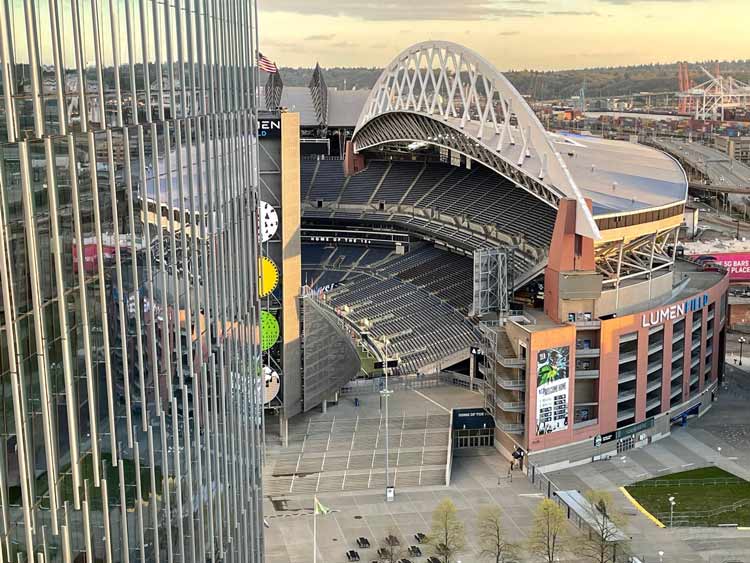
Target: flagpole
315,529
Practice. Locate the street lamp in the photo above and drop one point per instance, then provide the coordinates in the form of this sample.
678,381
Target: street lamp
671,511
741,340
385,393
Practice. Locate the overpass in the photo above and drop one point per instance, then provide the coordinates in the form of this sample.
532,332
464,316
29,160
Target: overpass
709,169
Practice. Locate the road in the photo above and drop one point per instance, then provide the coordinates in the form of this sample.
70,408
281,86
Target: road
720,169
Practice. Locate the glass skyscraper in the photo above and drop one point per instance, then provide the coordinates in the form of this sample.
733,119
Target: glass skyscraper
129,371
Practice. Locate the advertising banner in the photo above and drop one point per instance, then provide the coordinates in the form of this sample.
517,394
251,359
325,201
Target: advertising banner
736,263
552,381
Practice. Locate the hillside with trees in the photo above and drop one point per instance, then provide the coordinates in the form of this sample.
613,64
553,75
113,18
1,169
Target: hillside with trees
544,85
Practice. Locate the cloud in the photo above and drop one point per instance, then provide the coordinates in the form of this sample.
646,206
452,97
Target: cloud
397,10
320,37
280,44
343,44
509,33
572,13
629,2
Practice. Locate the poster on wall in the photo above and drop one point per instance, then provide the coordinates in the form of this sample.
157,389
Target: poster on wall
552,380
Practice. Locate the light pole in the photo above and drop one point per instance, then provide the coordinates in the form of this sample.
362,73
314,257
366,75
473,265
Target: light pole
741,340
385,393
671,511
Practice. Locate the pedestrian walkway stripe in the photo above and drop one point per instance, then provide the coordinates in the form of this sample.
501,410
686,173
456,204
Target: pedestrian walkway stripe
635,503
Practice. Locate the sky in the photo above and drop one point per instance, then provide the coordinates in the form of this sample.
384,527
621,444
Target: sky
513,34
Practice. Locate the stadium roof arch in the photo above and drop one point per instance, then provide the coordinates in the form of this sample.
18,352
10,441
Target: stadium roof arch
448,95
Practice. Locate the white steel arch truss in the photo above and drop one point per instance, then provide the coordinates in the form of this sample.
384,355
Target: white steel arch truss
448,95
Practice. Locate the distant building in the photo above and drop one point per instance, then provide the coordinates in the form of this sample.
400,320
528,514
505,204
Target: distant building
737,148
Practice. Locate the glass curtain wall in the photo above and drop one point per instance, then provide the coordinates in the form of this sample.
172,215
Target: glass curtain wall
129,379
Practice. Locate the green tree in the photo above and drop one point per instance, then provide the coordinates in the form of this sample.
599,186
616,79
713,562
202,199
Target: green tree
494,547
549,533
447,532
601,542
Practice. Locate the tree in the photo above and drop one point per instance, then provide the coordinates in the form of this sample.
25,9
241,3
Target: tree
390,549
492,542
549,533
601,541
447,532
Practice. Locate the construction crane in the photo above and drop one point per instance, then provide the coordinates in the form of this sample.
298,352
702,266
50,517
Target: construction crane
709,100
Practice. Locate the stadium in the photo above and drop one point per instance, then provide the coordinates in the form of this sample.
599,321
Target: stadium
442,230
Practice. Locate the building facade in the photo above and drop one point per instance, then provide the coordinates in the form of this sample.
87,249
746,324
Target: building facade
129,363
600,371
737,148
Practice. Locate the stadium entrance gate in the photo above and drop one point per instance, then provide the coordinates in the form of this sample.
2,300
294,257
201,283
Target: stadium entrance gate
472,428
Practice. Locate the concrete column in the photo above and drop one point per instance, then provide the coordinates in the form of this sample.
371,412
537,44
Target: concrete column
284,430
472,370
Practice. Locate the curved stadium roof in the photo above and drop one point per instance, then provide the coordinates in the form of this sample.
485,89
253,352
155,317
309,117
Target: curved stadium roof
619,177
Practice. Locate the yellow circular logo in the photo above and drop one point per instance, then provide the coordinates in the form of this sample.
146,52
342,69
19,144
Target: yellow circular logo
268,277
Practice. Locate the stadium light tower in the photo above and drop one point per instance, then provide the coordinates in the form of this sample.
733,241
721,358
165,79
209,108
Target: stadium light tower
741,340
385,393
671,511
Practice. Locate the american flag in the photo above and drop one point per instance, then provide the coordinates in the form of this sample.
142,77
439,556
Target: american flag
265,64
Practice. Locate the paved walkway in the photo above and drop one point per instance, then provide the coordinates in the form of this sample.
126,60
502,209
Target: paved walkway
481,479
475,483
725,426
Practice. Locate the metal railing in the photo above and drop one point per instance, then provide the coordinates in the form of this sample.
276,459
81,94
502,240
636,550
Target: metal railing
511,405
510,427
395,383
689,518
689,482
511,384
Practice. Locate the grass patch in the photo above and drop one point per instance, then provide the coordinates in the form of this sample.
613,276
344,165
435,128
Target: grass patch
700,496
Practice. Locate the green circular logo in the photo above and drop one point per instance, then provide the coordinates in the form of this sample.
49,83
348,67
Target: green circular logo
269,330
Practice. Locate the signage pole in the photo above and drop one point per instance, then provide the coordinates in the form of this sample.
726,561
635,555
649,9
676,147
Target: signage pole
315,530
385,369
385,393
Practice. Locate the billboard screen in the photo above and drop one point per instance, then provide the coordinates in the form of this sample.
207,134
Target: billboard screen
552,381
736,263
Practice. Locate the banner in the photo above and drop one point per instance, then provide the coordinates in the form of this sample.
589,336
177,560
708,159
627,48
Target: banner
552,381
736,263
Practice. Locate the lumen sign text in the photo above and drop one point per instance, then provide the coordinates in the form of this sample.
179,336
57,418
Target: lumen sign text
672,312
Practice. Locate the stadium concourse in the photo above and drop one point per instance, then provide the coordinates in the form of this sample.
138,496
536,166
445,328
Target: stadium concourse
444,228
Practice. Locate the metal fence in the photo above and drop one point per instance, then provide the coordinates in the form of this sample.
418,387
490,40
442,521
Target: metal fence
395,383
403,382
545,485
689,482
699,517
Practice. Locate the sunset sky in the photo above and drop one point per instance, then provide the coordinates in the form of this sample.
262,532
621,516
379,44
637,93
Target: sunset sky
513,34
